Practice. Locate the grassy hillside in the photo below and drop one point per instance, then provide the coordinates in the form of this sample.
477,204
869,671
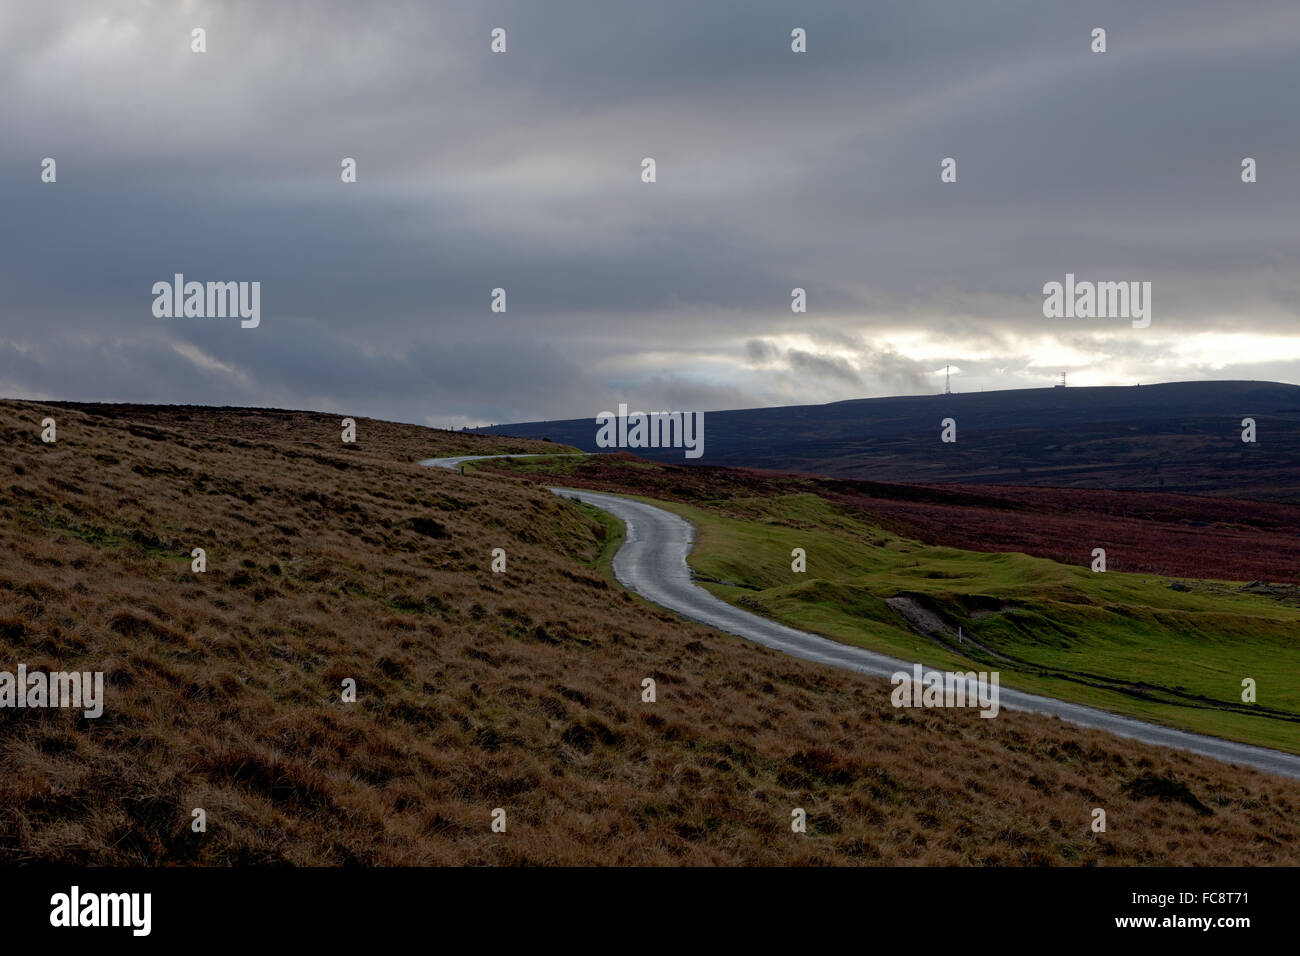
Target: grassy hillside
1127,643
477,690
1173,651
1142,532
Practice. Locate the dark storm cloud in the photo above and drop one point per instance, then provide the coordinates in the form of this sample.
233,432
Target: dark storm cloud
760,352
836,369
521,170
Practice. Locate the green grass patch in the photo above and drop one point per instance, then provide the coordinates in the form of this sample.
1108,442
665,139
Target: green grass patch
1128,643
614,532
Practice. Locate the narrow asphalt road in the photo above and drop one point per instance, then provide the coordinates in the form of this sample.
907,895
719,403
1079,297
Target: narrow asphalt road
454,463
652,563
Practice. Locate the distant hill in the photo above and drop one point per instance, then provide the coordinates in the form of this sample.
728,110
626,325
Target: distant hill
1179,436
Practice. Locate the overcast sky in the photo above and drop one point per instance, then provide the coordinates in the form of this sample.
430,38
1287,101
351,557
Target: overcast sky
522,170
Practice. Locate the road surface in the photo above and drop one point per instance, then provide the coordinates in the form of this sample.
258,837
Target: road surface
454,463
652,563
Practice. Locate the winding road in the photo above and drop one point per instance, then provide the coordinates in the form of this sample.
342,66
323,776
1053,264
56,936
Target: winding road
652,563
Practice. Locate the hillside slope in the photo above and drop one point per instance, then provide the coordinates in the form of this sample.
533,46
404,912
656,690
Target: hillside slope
1142,644
476,690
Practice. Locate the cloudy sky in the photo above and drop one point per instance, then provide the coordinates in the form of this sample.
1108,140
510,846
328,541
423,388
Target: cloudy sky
522,170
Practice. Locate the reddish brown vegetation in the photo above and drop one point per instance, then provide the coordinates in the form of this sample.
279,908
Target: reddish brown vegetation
1142,532
476,690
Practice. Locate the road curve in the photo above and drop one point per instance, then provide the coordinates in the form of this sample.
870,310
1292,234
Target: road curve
652,563
454,463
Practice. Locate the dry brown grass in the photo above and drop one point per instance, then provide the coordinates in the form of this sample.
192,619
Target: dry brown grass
477,690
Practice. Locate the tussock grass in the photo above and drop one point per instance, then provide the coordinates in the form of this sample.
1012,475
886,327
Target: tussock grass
475,690
1156,647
